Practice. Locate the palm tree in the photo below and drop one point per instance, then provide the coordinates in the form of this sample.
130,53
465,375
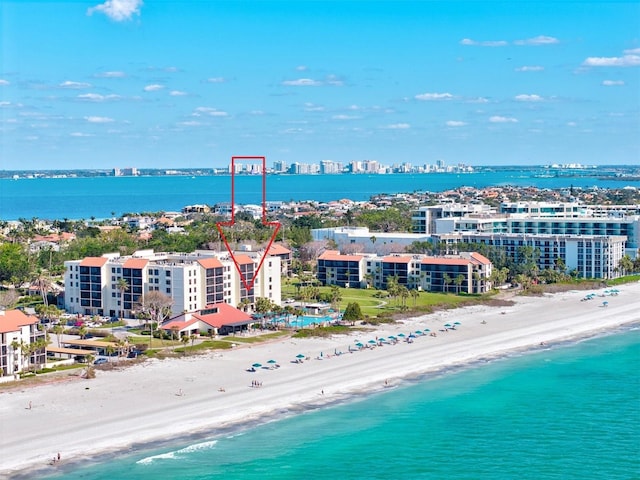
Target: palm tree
184,339
414,295
123,286
446,280
459,281
58,330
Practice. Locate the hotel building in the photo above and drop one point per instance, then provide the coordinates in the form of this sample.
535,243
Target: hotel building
17,330
467,272
93,285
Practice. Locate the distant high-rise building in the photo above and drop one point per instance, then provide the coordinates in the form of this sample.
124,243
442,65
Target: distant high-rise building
329,166
125,172
280,166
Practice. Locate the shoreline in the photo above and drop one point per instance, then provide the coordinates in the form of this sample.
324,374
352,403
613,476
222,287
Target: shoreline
111,412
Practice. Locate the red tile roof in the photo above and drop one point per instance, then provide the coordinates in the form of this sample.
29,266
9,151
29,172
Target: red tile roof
335,255
278,250
444,261
242,259
136,263
93,261
210,263
396,259
12,320
480,258
225,315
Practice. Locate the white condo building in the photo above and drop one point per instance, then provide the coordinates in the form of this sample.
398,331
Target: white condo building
93,285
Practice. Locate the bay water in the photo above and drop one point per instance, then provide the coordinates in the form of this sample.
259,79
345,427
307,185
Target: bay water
104,197
570,411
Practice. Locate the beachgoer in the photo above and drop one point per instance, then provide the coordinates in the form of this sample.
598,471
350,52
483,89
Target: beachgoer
29,407
58,456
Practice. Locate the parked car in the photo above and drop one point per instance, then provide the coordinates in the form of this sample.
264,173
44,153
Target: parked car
100,361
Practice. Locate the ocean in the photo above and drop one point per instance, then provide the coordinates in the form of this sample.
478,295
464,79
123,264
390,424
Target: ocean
571,411
104,197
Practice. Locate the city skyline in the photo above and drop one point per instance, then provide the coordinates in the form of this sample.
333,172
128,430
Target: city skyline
86,84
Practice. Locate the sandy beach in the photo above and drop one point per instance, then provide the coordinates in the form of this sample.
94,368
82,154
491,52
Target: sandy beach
164,399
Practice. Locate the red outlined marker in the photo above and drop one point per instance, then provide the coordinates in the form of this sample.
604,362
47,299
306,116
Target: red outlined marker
248,283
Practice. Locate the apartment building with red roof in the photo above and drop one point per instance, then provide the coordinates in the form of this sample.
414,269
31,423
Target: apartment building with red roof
19,331
467,272
96,285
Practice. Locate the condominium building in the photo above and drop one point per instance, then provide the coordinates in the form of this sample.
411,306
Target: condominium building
113,285
19,334
467,272
424,219
591,256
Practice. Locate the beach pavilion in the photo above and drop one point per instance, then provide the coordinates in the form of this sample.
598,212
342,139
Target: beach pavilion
216,319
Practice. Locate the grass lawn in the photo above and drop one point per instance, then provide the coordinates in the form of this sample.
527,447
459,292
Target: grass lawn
373,306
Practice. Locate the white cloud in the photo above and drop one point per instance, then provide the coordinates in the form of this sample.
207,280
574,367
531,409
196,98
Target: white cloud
74,85
344,117
3,82
216,80
96,97
95,119
572,124
624,61
209,111
302,82
434,96
153,88
110,75
455,123
310,107
539,40
479,100
301,68
334,80
530,68
612,83
191,123
632,51
528,98
117,10
177,93
80,134
398,126
486,43
500,119
257,113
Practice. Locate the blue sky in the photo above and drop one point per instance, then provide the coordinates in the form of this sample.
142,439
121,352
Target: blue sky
190,83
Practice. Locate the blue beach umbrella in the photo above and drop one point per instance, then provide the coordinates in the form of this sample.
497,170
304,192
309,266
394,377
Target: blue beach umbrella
300,355
256,365
401,335
418,332
448,325
457,323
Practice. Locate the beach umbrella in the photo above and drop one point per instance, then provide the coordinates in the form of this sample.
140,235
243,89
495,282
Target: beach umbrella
392,337
382,339
427,330
372,341
256,365
272,361
300,355
401,335
457,323
447,325
418,332
359,345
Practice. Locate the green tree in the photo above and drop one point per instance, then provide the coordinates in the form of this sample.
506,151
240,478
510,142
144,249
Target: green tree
459,280
14,263
352,313
625,264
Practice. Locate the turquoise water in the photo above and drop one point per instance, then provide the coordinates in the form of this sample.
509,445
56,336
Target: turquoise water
569,412
99,197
